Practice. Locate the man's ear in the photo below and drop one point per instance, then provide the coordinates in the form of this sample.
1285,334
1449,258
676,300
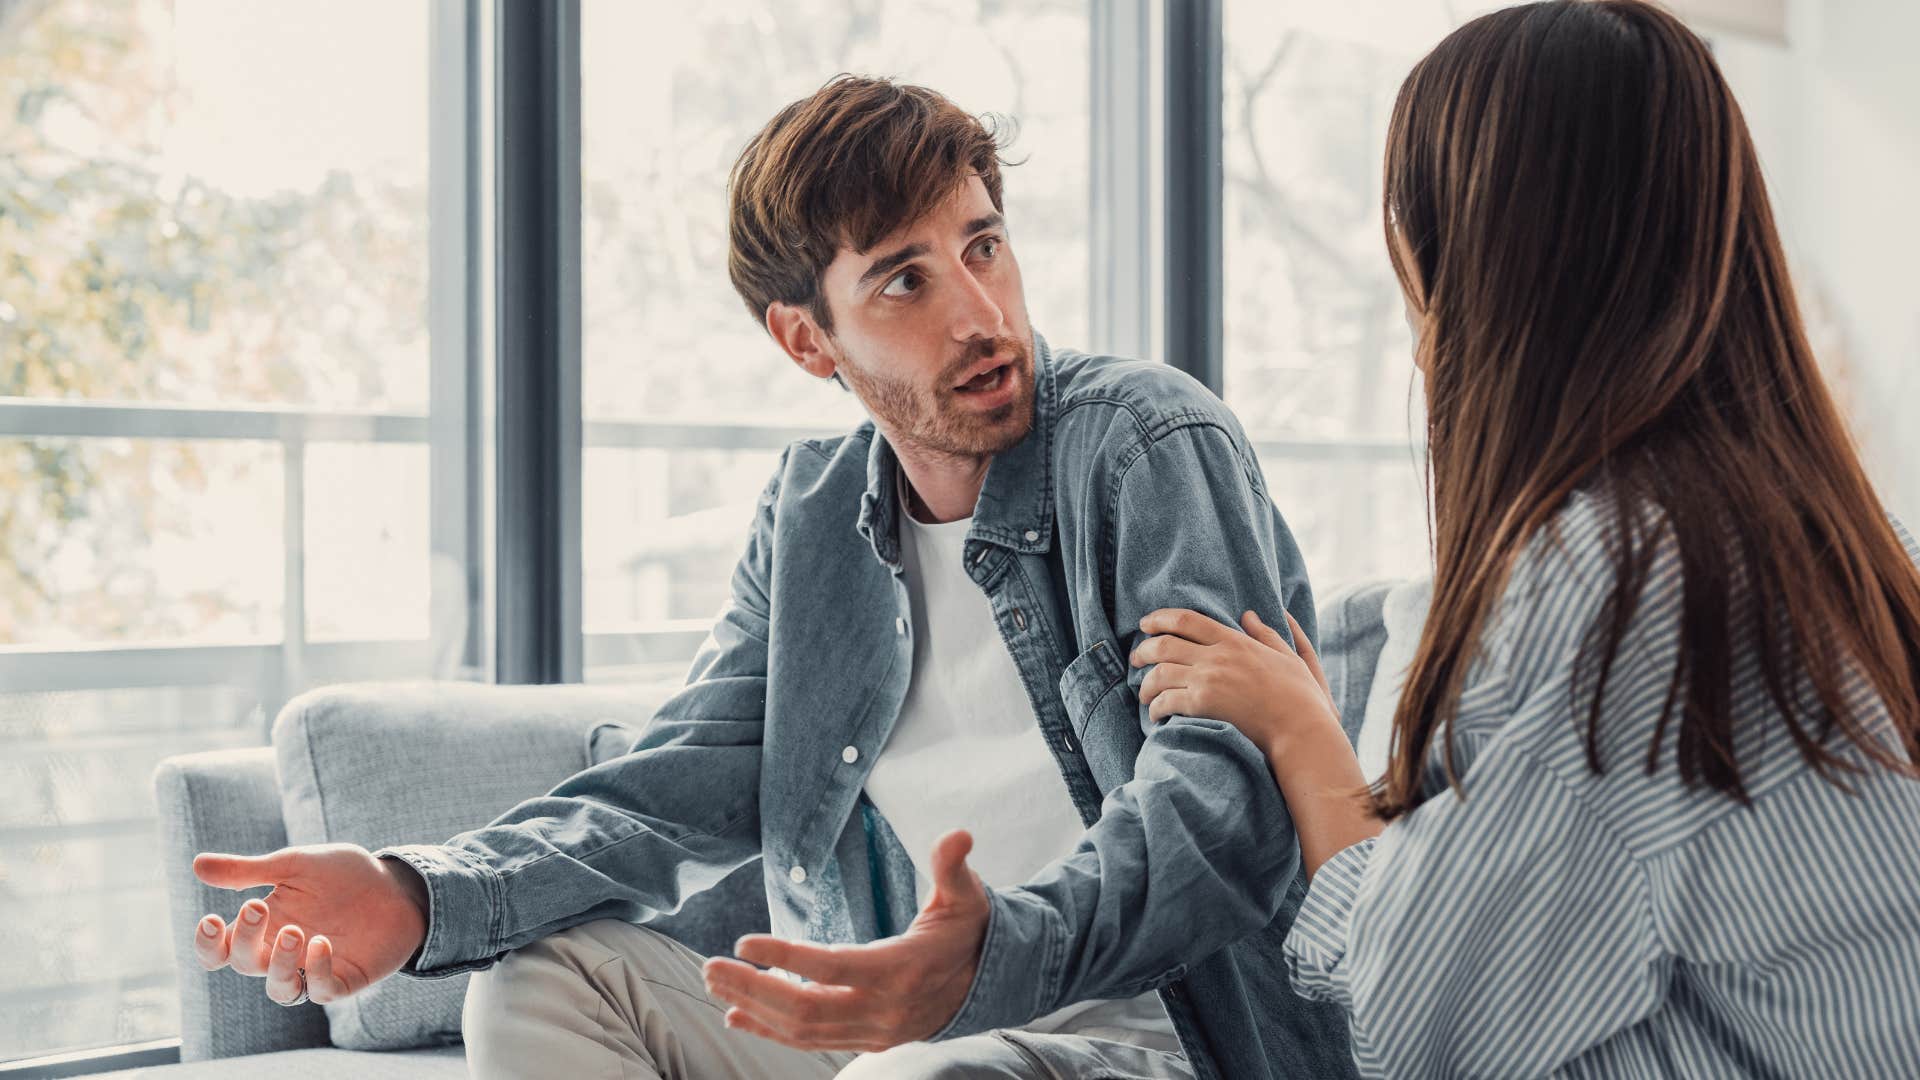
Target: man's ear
795,330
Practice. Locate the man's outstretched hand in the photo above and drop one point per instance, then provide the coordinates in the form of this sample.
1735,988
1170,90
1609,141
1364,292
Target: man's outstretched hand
865,997
348,918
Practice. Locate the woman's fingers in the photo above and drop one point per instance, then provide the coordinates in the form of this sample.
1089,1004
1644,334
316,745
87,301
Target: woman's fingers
249,950
210,943
283,970
1162,678
323,985
1264,634
1166,649
1191,625
1171,703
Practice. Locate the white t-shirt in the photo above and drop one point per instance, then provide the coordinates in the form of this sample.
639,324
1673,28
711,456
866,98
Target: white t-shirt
966,752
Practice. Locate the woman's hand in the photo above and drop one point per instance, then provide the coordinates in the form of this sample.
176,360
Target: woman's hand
1280,700
1253,681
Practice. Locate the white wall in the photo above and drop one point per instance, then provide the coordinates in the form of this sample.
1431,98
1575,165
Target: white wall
1836,113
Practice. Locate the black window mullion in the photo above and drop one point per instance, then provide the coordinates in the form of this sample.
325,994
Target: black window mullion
537,375
1195,268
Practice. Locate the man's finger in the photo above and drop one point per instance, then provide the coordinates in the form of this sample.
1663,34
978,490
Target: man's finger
240,871
843,965
283,970
1188,624
322,984
953,879
249,948
742,1020
781,1001
210,943
1312,658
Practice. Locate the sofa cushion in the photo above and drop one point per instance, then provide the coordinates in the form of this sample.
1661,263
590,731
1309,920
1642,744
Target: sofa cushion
406,763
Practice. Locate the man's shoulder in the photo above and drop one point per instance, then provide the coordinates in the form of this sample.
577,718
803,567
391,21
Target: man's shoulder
1112,410
1139,395
822,466
832,451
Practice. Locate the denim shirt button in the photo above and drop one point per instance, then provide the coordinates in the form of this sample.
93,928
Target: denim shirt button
900,626
797,875
850,755
1019,619
1032,536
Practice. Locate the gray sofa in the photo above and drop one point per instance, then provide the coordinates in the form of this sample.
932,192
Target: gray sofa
445,746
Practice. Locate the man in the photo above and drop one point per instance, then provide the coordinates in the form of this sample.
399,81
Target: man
929,629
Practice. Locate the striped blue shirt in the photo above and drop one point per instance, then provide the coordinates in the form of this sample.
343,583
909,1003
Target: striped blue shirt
1559,922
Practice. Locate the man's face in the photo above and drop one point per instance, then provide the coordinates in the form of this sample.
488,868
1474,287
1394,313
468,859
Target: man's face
930,330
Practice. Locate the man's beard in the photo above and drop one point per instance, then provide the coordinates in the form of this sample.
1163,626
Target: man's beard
935,420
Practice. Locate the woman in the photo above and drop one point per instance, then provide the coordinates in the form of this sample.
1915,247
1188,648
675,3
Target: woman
1651,807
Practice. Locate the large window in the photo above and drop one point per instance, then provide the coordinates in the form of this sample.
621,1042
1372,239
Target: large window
216,384
267,269
1318,356
686,400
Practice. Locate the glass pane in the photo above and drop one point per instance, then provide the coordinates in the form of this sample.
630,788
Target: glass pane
1317,346
1354,519
123,541
368,550
199,206
663,530
666,336
197,203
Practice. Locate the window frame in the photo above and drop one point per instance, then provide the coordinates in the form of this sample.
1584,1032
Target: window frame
504,428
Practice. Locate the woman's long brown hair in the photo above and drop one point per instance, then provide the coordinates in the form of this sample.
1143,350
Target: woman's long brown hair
1576,213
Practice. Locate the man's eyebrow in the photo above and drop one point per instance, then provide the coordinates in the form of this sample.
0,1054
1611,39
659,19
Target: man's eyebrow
887,264
982,224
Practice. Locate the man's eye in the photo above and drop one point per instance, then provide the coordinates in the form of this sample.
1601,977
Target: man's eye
903,284
989,248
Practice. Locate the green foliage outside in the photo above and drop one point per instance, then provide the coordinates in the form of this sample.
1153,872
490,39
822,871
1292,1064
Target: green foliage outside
125,277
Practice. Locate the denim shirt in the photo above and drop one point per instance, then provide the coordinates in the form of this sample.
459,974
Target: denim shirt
1134,490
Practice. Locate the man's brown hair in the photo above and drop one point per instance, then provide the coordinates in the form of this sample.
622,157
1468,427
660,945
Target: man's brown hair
853,162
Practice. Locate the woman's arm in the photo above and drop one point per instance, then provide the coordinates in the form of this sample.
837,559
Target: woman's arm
1499,931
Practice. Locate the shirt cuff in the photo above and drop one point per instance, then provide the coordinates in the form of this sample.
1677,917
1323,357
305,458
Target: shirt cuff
463,909
1019,972
1316,948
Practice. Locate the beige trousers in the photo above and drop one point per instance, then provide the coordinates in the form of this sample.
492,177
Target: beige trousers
612,1000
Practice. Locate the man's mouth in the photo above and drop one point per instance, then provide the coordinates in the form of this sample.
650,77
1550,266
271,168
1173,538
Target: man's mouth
986,382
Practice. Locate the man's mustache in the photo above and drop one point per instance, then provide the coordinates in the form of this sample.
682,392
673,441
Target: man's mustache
981,349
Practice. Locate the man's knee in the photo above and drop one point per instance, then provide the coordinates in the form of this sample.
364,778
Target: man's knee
557,967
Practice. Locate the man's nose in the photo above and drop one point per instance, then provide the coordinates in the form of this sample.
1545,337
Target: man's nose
976,314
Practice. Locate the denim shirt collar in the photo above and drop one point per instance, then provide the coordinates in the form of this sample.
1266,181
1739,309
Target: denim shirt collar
1015,509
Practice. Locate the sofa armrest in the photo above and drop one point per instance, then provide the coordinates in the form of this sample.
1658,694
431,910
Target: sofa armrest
222,800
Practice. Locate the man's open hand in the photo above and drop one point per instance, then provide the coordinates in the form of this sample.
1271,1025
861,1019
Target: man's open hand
348,918
865,997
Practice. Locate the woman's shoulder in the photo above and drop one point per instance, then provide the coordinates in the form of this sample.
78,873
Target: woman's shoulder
1548,642
1562,584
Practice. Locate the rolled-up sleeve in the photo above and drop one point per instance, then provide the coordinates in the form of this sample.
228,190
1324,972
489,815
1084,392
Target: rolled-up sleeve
1318,941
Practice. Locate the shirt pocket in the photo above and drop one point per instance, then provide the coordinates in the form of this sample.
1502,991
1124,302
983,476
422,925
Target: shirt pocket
1104,713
